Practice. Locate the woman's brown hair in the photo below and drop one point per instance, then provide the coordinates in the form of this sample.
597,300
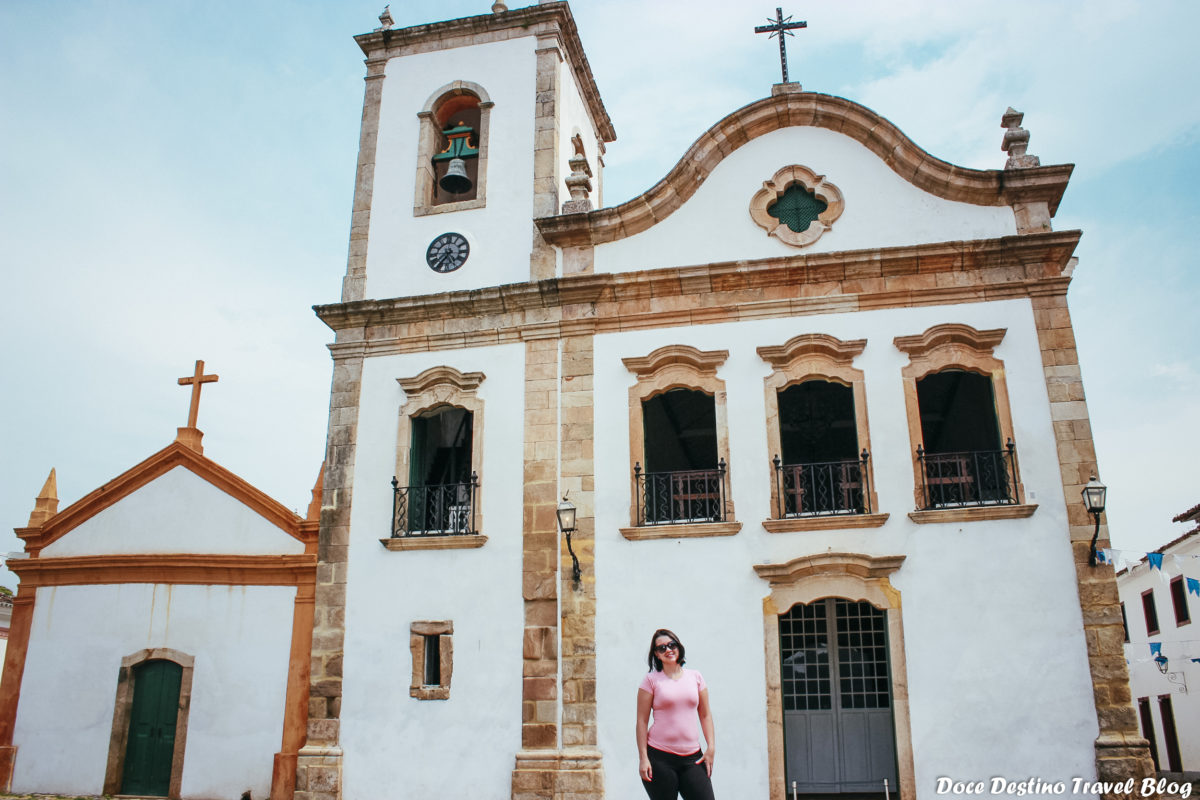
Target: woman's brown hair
653,660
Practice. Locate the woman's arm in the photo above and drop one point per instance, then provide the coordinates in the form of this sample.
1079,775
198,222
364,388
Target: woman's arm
645,699
710,736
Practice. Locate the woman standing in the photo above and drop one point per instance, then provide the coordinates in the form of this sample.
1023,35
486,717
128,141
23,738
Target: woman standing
671,762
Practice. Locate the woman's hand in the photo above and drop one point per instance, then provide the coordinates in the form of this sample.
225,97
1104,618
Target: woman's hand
644,769
707,760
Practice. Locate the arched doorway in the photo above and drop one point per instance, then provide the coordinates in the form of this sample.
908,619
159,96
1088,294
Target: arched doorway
852,592
149,731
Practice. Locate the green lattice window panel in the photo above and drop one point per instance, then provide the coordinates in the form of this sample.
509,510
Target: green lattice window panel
797,208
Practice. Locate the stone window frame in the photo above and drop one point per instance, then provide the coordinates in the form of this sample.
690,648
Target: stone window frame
678,366
855,577
433,388
773,189
957,346
418,633
818,357
427,145
114,771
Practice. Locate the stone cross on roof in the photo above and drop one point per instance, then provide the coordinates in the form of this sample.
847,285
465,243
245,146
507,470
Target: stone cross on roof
190,435
781,27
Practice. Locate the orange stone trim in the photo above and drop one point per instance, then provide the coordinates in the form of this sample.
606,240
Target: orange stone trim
183,568
14,671
171,456
295,711
961,184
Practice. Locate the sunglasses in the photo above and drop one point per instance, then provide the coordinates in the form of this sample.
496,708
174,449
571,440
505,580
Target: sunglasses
662,648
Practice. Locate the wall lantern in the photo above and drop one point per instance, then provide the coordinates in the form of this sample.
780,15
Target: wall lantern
1163,664
566,521
1094,495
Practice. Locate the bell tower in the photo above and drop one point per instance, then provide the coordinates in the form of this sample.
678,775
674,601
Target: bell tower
471,129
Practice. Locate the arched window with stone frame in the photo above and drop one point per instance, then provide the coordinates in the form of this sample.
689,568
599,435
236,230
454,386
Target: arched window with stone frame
818,437
454,124
960,424
439,462
679,445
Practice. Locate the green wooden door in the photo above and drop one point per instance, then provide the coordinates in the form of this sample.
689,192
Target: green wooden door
151,745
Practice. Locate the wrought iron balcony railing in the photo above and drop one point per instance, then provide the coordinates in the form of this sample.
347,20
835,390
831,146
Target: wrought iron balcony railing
822,488
678,498
971,478
439,510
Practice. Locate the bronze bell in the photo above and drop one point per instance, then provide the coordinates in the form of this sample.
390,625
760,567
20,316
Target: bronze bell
455,180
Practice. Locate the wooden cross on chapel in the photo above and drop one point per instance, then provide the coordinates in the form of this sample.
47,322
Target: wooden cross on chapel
781,27
191,435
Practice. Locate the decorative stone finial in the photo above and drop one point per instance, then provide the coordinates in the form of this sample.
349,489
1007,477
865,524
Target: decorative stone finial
46,505
499,7
190,436
1016,140
314,507
579,182
385,19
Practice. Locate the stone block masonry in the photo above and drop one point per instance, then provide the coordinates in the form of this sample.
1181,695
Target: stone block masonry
1121,752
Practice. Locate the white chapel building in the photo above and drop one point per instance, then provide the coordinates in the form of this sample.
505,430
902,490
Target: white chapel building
815,402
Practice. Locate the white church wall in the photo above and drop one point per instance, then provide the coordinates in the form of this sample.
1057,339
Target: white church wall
178,512
398,240
881,208
240,637
574,118
463,746
1180,644
986,605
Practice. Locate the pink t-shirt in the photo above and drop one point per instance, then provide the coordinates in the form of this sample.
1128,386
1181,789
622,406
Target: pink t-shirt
674,703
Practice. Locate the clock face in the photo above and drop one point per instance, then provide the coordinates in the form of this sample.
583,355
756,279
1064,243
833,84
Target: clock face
447,252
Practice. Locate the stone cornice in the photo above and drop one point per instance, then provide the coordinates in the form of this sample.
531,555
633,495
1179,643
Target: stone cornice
704,361
812,344
905,157
953,333
537,20
175,568
858,564
1014,266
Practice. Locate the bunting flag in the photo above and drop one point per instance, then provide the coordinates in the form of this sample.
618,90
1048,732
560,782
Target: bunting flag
1155,560
1193,586
1194,661
1102,556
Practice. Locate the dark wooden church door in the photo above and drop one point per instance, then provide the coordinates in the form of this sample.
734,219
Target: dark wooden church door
151,745
839,735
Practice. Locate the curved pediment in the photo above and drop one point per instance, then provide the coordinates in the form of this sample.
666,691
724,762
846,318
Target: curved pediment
806,109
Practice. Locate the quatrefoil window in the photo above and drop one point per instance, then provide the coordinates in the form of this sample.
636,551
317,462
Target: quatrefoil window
796,206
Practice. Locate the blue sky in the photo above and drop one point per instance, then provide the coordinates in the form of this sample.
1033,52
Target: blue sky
176,180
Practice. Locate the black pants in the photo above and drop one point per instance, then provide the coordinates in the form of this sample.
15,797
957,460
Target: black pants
674,776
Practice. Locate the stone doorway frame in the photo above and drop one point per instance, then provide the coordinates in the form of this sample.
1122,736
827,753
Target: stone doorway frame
119,739
852,576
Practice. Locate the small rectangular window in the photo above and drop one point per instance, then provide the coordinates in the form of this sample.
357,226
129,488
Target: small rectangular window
1149,611
432,648
1179,601
1124,622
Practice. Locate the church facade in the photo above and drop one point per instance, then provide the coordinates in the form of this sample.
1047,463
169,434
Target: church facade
811,401
813,398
